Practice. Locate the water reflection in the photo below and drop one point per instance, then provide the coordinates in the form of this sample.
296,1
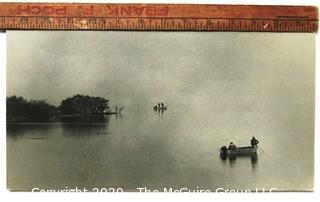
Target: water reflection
85,118
159,114
86,129
27,130
118,116
254,162
233,159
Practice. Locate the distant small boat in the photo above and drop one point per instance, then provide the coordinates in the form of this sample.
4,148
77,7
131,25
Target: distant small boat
239,151
160,108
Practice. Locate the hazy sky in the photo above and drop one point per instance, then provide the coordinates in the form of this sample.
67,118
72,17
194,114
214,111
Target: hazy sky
139,68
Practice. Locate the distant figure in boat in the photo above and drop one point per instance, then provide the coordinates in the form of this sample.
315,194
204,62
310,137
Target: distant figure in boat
254,142
232,146
160,106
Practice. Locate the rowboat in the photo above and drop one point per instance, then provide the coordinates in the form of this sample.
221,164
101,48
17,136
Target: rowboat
160,108
239,151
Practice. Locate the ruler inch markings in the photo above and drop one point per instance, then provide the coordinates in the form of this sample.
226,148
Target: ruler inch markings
157,17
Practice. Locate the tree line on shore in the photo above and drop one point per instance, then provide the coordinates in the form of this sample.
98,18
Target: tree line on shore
21,109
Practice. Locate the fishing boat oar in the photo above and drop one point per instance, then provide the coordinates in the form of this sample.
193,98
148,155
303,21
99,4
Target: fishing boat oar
260,148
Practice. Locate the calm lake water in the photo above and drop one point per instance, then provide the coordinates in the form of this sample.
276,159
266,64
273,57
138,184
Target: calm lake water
150,149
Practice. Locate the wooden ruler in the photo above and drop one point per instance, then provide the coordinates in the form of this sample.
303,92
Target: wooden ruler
158,17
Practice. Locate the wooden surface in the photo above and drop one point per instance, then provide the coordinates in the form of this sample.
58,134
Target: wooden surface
159,17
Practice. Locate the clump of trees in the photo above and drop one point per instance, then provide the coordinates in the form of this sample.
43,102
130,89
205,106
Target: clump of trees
20,109
84,104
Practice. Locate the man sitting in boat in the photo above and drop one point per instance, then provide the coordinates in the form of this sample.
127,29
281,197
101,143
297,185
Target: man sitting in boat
254,142
232,146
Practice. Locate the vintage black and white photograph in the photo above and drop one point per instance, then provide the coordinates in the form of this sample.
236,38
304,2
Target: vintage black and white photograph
160,111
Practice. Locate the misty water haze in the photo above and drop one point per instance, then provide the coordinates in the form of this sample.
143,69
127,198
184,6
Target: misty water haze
219,87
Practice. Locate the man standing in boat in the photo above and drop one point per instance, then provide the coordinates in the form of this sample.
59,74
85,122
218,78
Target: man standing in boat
254,142
232,146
